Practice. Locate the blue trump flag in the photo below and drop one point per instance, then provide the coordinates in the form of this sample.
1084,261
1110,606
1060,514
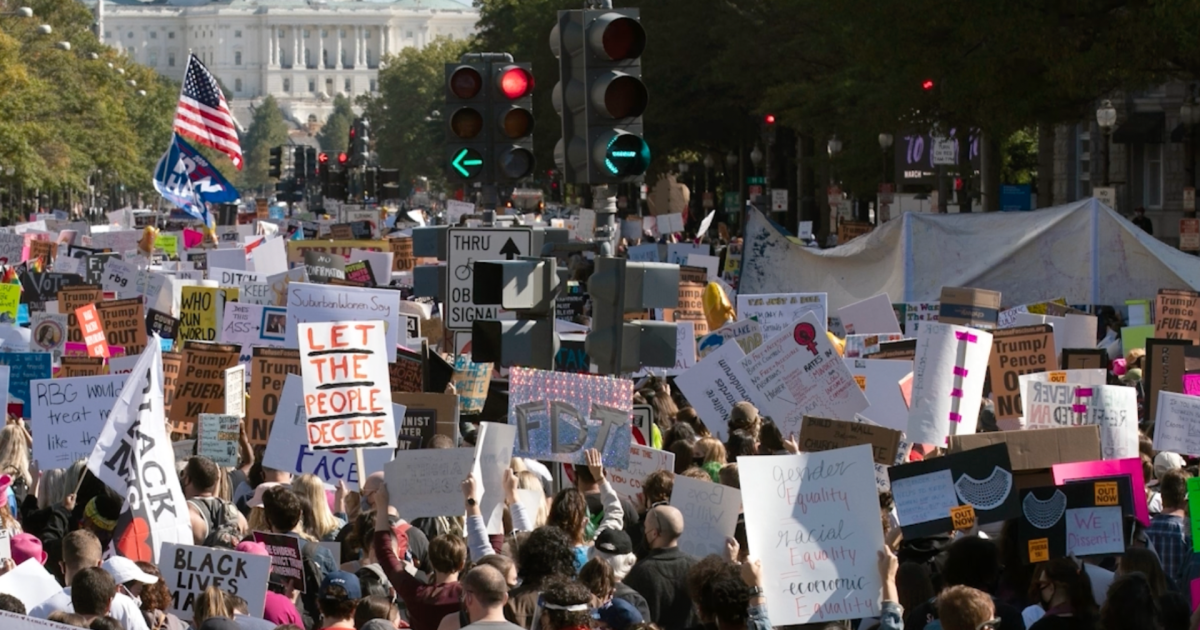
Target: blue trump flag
187,179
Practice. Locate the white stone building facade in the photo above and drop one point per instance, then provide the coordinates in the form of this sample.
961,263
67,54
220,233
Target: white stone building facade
302,53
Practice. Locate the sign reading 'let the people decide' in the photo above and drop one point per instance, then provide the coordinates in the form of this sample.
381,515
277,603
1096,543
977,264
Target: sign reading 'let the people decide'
345,373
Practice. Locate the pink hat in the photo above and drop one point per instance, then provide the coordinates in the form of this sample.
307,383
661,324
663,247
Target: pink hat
253,548
26,546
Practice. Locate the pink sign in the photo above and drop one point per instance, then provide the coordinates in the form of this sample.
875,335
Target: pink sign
1195,594
1191,384
192,238
1109,468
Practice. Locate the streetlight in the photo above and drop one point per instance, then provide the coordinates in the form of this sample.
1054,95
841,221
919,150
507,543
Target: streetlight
1106,117
24,12
885,143
709,163
756,156
834,147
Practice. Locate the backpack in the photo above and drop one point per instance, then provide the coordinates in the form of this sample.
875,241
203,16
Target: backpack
222,519
313,576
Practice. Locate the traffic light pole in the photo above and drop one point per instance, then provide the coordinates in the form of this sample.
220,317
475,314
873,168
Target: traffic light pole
604,198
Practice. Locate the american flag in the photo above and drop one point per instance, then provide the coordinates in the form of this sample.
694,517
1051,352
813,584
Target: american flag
203,115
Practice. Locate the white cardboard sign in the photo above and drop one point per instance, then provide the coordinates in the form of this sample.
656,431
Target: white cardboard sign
331,303
878,378
67,415
710,513
714,385
947,387
643,460
776,311
427,482
187,570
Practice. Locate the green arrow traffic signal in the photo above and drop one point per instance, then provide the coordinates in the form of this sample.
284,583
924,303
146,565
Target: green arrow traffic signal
468,162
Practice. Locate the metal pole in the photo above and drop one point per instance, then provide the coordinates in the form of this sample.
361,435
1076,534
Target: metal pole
604,199
1107,152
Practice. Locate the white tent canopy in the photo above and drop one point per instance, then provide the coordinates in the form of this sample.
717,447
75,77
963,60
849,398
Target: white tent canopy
1082,251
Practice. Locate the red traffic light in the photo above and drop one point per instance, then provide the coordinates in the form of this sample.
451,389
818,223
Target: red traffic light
769,119
343,158
514,82
617,37
466,82
927,84
322,157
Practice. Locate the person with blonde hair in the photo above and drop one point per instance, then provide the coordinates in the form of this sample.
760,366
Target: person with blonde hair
14,459
709,454
309,487
210,603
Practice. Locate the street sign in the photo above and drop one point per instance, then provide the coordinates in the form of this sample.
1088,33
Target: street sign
944,152
756,179
1106,195
1189,199
779,200
754,190
1189,235
468,246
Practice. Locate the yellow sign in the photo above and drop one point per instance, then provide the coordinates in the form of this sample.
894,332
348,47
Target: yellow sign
10,300
198,312
296,249
861,379
168,243
963,517
1058,377
1106,493
1039,550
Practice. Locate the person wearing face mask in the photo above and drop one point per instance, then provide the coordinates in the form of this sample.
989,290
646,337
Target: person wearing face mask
1065,592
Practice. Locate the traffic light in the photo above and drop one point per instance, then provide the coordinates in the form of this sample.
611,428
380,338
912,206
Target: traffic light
769,119
310,163
300,163
276,163
467,137
618,287
323,168
600,96
360,142
528,286
927,85
370,181
389,184
512,111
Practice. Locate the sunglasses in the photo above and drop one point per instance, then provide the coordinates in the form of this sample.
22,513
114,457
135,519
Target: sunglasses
990,624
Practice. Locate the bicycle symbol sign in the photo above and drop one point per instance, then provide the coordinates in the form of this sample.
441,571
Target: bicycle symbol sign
466,247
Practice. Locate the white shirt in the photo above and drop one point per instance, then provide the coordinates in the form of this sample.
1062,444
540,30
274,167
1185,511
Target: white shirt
123,609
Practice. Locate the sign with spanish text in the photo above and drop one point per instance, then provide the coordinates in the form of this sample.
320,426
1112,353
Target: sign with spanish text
816,544
559,415
345,374
1177,315
200,387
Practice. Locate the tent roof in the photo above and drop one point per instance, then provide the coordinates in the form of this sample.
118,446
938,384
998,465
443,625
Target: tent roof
1083,251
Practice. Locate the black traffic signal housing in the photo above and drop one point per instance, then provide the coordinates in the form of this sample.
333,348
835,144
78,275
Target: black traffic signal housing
530,287
323,168
275,170
300,164
310,163
468,136
511,108
370,183
389,183
360,142
338,180
600,96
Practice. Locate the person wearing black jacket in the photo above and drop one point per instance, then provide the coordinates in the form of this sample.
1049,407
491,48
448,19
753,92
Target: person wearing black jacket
974,562
661,576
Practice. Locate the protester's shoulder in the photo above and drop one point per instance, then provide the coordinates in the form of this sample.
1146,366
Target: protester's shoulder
492,625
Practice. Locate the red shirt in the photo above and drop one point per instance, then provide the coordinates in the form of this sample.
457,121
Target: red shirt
427,604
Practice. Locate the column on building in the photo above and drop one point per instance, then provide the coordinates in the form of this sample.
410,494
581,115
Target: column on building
337,48
360,47
320,52
297,57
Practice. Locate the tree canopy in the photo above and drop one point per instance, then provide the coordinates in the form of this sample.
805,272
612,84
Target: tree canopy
268,129
335,134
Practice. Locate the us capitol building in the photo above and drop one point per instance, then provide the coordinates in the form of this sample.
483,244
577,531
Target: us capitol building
302,52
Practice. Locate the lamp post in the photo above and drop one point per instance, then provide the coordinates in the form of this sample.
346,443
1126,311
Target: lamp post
684,167
1106,117
885,143
709,163
833,148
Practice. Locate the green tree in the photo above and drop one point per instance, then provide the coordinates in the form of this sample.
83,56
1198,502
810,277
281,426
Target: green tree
407,116
335,134
267,130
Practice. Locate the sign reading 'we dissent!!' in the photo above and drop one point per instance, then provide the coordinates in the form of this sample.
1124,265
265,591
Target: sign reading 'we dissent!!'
345,373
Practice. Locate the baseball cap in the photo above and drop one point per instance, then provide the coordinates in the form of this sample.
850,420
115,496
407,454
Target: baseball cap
26,546
344,579
1167,461
614,541
743,414
257,499
124,570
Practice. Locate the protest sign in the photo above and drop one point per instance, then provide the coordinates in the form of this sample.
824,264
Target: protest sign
346,385
1178,414
32,584
823,434
253,325
1131,468
790,528
235,391
643,460
747,333
427,482
1052,404
172,366
873,315
965,306
926,492
93,331
217,438
777,311
677,253
133,457
692,281
48,333
269,368
799,373
493,455
200,312
287,449
641,422
863,346
714,385
162,324
471,381
10,302
426,415
23,368
407,372
402,254
124,324
1177,314
559,415
1017,351
710,513
1113,408
287,563
1077,519
76,366
68,415
187,570
324,303
878,378
201,384
916,313
297,249
948,379
1163,369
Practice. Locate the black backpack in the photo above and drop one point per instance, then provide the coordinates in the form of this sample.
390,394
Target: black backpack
221,517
